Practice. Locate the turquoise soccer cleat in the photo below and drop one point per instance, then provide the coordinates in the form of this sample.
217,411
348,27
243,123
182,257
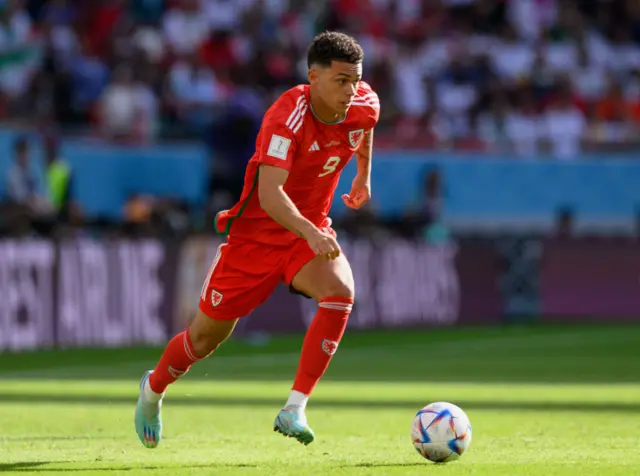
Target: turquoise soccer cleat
148,419
293,424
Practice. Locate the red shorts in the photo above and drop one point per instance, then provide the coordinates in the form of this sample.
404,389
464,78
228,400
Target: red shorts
244,274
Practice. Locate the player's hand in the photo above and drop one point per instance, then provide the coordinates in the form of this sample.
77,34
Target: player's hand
360,193
324,244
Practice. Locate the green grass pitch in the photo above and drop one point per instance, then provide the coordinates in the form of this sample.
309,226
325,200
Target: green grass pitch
542,400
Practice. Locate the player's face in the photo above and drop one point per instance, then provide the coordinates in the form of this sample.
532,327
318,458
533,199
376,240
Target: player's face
337,84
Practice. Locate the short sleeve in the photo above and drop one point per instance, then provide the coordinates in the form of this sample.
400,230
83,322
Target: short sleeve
277,147
278,142
373,110
369,104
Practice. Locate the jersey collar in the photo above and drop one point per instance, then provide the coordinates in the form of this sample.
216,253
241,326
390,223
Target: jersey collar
308,94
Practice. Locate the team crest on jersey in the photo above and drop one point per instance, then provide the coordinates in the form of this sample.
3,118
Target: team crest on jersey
329,347
216,298
355,137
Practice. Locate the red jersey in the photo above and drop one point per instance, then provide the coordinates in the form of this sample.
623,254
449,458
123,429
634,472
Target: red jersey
313,152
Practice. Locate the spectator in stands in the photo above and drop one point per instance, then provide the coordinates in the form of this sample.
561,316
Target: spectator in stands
491,122
511,57
565,223
127,107
412,97
118,109
98,20
60,181
23,184
457,92
19,54
423,219
434,230
616,115
88,77
185,27
57,19
523,126
564,125
28,204
193,91
147,40
233,134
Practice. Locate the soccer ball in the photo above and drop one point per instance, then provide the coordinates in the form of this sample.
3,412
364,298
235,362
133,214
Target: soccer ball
441,432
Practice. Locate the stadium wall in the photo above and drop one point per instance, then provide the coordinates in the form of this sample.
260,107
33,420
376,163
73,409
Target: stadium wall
86,292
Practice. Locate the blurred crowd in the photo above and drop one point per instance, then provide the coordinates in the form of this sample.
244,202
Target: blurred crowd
523,76
520,77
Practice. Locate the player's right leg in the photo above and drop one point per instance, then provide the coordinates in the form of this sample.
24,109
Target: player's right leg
200,340
239,280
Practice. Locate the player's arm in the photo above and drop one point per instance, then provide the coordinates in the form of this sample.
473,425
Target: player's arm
277,204
361,186
276,157
364,155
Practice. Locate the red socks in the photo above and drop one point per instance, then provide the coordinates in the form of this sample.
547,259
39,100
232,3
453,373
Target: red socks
321,341
174,363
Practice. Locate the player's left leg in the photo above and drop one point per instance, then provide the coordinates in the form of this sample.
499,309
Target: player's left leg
330,283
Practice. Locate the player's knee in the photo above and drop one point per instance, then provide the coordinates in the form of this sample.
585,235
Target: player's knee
207,334
338,288
203,344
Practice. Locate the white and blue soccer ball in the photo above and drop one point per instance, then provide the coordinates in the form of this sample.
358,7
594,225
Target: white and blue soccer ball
441,432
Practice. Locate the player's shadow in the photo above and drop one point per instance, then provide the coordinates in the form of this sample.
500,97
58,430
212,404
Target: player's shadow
384,465
35,467
23,466
55,438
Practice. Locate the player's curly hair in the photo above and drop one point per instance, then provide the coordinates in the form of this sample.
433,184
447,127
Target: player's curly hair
334,46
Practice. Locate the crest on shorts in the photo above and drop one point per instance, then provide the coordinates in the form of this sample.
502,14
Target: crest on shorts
216,298
329,347
355,137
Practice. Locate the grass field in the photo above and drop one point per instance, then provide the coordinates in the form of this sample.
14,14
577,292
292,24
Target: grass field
542,401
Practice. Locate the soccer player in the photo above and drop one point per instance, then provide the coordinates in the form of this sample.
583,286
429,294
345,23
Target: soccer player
280,230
